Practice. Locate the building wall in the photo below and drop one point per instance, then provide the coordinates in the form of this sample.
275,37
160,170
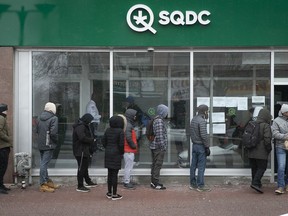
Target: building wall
6,96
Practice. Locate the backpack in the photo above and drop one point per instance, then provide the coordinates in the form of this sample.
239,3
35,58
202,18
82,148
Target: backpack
149,130
250,136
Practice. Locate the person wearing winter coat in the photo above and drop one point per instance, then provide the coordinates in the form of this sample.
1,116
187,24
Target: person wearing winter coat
130,147
200,149
47,131
82,140
258,156
280,135
158,146
5,145
113,142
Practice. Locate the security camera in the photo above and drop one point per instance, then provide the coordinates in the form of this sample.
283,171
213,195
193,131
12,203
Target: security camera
150,49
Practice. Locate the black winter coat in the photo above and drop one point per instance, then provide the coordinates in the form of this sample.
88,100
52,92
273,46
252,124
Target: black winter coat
113,142
82,139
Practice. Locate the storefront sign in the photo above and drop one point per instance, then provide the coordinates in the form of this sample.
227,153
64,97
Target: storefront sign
144,19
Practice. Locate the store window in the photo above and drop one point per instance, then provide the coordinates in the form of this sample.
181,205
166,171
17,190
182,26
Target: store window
232,84
149,79
68,79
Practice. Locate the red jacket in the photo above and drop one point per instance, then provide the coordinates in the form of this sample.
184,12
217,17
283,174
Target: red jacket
127,148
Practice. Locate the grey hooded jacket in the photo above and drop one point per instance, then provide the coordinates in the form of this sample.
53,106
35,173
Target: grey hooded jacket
280,130
47,122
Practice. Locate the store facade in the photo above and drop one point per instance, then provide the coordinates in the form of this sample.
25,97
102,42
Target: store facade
231,56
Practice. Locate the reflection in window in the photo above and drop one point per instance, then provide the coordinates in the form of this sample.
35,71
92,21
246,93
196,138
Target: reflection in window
231,83
62,78
152,79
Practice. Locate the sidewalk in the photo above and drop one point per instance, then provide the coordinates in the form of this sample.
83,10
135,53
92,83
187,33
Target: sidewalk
177,200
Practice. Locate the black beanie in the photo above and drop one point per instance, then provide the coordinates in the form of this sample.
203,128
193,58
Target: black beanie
3,107
202,109
87,118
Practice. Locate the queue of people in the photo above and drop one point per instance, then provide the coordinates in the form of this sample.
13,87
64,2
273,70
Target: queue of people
120,142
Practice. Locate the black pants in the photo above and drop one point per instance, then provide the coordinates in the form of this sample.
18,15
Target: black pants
82,172
112,181
157,162
258,168
4,157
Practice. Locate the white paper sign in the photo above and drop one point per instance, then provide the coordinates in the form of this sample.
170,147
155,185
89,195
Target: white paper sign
218,117
219,101
219,128
203,100
242,103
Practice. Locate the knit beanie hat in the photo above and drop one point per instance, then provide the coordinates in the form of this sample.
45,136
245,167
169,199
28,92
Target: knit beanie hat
87,118
50,107
284,108
130,99
202,108
3,107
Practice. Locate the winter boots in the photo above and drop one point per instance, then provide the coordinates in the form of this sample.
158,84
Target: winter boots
49,186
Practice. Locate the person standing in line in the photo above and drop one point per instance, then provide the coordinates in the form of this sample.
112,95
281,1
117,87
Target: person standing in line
113,142
258,156
158,146
82,139
5,145
130,147
47,131
280,135
200,149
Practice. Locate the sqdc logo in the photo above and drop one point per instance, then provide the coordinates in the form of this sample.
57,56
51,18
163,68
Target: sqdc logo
140,18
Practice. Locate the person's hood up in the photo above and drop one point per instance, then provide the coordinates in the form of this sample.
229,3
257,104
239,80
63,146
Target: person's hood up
264,116
162,110
256,112
130,114
116,122
86,118
46,115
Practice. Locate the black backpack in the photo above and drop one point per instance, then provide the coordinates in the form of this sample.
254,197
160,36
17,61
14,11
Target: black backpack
149,130
250,136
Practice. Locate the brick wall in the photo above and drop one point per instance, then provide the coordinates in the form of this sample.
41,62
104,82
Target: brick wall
6,96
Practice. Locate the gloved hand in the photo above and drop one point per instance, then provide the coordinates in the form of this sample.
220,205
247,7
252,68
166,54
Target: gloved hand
207,151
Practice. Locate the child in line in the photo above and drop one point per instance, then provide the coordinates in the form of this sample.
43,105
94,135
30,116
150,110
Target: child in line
113,142
130,147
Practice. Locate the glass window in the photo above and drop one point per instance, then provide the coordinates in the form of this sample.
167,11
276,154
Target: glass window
68,79
281,65
153,79
230,84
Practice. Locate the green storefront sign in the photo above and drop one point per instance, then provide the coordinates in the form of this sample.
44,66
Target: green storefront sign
169,23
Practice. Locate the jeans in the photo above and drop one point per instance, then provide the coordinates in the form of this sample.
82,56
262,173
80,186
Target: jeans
198,161
157,162
45,158
129,160
282,180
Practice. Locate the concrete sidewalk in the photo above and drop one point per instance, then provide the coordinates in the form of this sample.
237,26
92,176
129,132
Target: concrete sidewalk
176,200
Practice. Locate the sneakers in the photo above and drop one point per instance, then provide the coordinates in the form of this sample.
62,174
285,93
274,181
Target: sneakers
91,185
129,186
157,186
51,184
3,191
203,189
116,197
193,187
83,189
45,188
256,188
279,191
109,195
